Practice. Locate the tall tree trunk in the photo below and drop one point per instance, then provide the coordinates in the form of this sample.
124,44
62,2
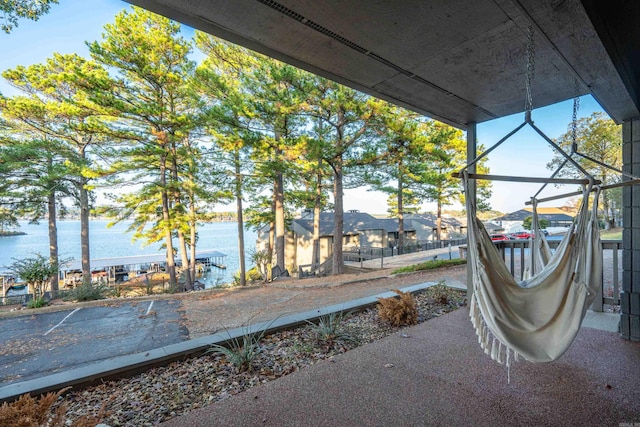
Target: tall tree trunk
53,242
338,218
166,217
278,199
439,221
184,259
241,258
316,217
608,223
272,238
612,207
84,220
400,216
192,235
84,231
179,208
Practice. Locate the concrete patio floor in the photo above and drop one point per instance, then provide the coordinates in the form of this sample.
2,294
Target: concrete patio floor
438,375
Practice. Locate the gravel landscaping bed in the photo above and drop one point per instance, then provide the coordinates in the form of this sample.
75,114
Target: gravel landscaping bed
166,392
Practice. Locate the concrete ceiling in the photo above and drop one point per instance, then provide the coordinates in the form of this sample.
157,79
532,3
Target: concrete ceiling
458,61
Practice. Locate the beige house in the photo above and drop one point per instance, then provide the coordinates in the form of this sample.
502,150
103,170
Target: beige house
361,231
425,226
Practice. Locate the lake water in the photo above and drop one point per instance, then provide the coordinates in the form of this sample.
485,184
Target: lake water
117,242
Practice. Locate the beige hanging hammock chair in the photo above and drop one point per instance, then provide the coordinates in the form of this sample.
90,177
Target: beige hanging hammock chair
538,318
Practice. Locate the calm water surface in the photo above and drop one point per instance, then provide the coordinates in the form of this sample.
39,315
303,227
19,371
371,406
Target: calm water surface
116,242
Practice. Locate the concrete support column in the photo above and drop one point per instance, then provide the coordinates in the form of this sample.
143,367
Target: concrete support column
472,152
630,298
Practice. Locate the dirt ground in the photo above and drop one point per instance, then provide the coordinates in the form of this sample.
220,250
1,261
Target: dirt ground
211,311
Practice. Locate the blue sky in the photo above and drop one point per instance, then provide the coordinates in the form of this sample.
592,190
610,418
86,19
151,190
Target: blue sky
72,22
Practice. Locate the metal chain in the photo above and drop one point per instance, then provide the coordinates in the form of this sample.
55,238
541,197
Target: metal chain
574,121
531,61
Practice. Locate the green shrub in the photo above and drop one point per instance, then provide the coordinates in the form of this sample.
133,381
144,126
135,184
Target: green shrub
171,288
254,275
117,291
88,292
430,265
37,303
36,271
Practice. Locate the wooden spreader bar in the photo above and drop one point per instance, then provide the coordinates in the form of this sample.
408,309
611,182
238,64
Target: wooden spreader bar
535,180
579,193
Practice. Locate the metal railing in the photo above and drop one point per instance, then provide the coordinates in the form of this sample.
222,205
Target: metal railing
515,252
15,299
314,270
611,284
357,254
23,299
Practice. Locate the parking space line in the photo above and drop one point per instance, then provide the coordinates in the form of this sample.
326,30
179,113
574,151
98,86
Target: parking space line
149,309
62,321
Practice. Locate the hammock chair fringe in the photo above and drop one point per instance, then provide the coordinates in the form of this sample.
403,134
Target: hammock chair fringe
492,346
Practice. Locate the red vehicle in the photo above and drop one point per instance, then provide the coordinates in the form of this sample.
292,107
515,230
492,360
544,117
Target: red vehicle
499,237
519,235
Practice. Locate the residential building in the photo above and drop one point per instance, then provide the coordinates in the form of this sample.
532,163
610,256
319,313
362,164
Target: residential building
360,230
556,218
425,225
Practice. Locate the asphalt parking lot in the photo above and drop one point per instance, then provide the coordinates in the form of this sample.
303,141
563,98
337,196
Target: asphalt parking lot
45,343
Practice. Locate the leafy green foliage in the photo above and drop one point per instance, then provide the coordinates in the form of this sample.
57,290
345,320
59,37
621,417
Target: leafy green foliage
254,275
53,125
12,10
527,223
37,302
429,265
262,261
36,271
176,138
88,292
8,220
598,137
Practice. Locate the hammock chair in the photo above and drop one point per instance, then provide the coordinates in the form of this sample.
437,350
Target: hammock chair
538,318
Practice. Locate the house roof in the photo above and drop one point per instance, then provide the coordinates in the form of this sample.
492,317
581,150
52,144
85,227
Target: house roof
548,211
354,222
493,228
524,213
430,219
391,224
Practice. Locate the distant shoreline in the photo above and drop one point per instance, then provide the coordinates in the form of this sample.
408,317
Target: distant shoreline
12,233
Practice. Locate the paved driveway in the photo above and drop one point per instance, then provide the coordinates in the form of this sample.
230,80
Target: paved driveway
41,344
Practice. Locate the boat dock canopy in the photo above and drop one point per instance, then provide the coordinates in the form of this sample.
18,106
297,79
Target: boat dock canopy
102,263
